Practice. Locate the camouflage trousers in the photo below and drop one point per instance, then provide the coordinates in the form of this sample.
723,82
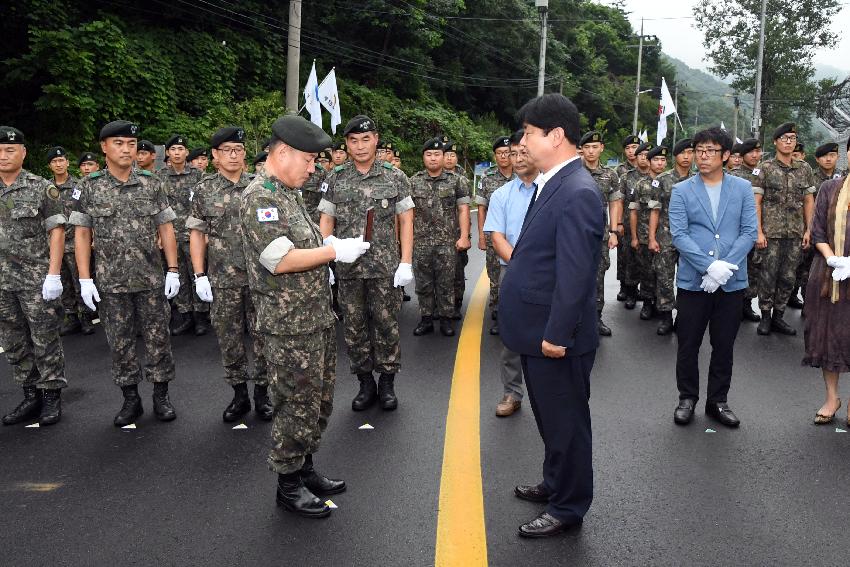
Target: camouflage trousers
642,271
147,311
604,264
186,299
302,374
804,268
753,270
433,268
232,311
626,273
778,272
29,335
72,303
460,276
494,268
664,267
370,310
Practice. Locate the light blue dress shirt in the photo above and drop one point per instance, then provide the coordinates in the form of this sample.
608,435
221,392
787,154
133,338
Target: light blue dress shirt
507,209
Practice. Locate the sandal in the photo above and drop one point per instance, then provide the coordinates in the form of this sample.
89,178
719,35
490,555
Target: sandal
821,419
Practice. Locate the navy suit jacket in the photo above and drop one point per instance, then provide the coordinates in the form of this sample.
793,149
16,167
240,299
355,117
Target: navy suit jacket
549,289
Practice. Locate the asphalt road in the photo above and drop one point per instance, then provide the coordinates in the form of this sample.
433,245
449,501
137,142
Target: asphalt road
197,492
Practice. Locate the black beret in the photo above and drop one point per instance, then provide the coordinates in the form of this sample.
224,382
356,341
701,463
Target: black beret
644,147
501,142
432,144
736,149
629,140
657,151
445,139
324,154
382,145
300,133
826,148
339,147
119,129
146,146
787,128
449,146
360,124
228,134
397,153
11,135
799,147
266,143
682,145
749,145
86,156
177,140
389,146
55,152
196,153
261,157
590,137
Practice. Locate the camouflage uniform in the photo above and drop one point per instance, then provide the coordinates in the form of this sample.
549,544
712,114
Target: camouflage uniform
753,258
627,257
808,255
435,234
366,290
783,188
312,194
179,188
295,318
492,180
642,257
72,303
609,185
664,263
215,213
124,218
623,247
462,261
29,209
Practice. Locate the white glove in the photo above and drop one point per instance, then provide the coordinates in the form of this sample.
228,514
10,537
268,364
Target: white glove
328,240
331,278
89,293
348,250
203,289
721,271
837,261
172,284
52,287
709,284
403,275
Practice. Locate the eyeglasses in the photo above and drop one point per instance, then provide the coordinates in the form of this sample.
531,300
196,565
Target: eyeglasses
237,151
708,152
788,139
503,153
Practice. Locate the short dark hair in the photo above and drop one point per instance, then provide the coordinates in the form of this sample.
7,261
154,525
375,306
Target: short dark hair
516,137
552,111
716,135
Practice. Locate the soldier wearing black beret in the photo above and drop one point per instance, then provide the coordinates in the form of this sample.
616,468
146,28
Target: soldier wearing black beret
396,160
627,268
339,153
630,144
799,152
260,162
591,137
827,158
145,155
198,159
735,158
450,164
323,160
88,163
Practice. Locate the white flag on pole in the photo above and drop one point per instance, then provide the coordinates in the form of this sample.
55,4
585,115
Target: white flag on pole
643,136
722,126
665,108
311,98
739,141
329,97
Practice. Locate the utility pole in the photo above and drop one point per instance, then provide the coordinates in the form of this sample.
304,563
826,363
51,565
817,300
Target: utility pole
735,121
637,81
676,103
757,103
543,9
293,56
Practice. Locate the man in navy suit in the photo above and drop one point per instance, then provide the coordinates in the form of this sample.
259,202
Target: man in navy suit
547,311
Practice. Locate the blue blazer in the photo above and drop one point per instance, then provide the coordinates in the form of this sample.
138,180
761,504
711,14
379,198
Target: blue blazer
549,289
701,240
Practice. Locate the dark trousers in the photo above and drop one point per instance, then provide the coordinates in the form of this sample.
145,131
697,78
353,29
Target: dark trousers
559,391
721,313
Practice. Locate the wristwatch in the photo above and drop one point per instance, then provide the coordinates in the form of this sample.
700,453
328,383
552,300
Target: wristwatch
200,275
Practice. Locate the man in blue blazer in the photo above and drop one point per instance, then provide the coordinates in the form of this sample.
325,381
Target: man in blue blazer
547,311
713,223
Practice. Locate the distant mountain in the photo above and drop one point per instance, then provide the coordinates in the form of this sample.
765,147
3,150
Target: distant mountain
830,72
697,80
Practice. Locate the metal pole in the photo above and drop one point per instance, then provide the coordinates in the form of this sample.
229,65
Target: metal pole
541,77
676,103
757,104
637,81
293,56
735,122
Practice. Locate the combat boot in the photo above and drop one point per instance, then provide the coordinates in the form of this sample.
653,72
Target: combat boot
604,330
202,323
262,406
70,325
764,324
132,408
181,323
795,302
631,297
86,325
297,498
51,407
446,327
239,406
368,393
29,407
386,392
162,408
317,483
748,314
425,327
778,324
647,312
666,325
621,295
404,296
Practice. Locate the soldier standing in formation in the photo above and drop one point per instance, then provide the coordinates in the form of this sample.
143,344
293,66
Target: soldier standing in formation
450,164
88,164
368,288
735,158
628,187
146,155
198,159
750,158
339,153
32,239
630,144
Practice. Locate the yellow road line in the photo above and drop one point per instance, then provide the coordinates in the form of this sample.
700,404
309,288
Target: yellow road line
461,535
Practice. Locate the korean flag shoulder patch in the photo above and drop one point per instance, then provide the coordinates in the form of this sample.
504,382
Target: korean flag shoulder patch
267,215
655,183
324,188
756,171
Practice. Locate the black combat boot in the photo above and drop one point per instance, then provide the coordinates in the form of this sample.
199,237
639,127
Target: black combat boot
239,406
86,325
317,483
621,295
70,325
386,392
202,323
631,297
795,302
368,393
778,324
446,327
51,407
604,330
425,327
29,407
162,408
181,322
647,312
297,498
132,408
404,296
666,325
262,406
764,324
748,314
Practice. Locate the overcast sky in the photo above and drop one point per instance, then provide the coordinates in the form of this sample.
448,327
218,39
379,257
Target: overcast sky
682,40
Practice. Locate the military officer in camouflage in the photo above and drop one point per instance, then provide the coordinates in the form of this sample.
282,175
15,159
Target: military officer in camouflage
288,277
179,179
260,162
198,159
735,158
32,239
88,164
664,256
339,153
784,194
609,184
396,160
630,144
442,203
146,155
750,158
450,164
450,157
628,187
122,212
799,153
323,160
368,289
493,178
215,241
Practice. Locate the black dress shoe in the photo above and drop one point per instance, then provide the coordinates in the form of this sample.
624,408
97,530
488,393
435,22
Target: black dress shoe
262,405
239,405
604,330
446,328
162,408
368,393
297,498
532,492
494,328
778,324
721,412
546,525
132,408
29,407
319,484
51,407
684,411
425,327
748,314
